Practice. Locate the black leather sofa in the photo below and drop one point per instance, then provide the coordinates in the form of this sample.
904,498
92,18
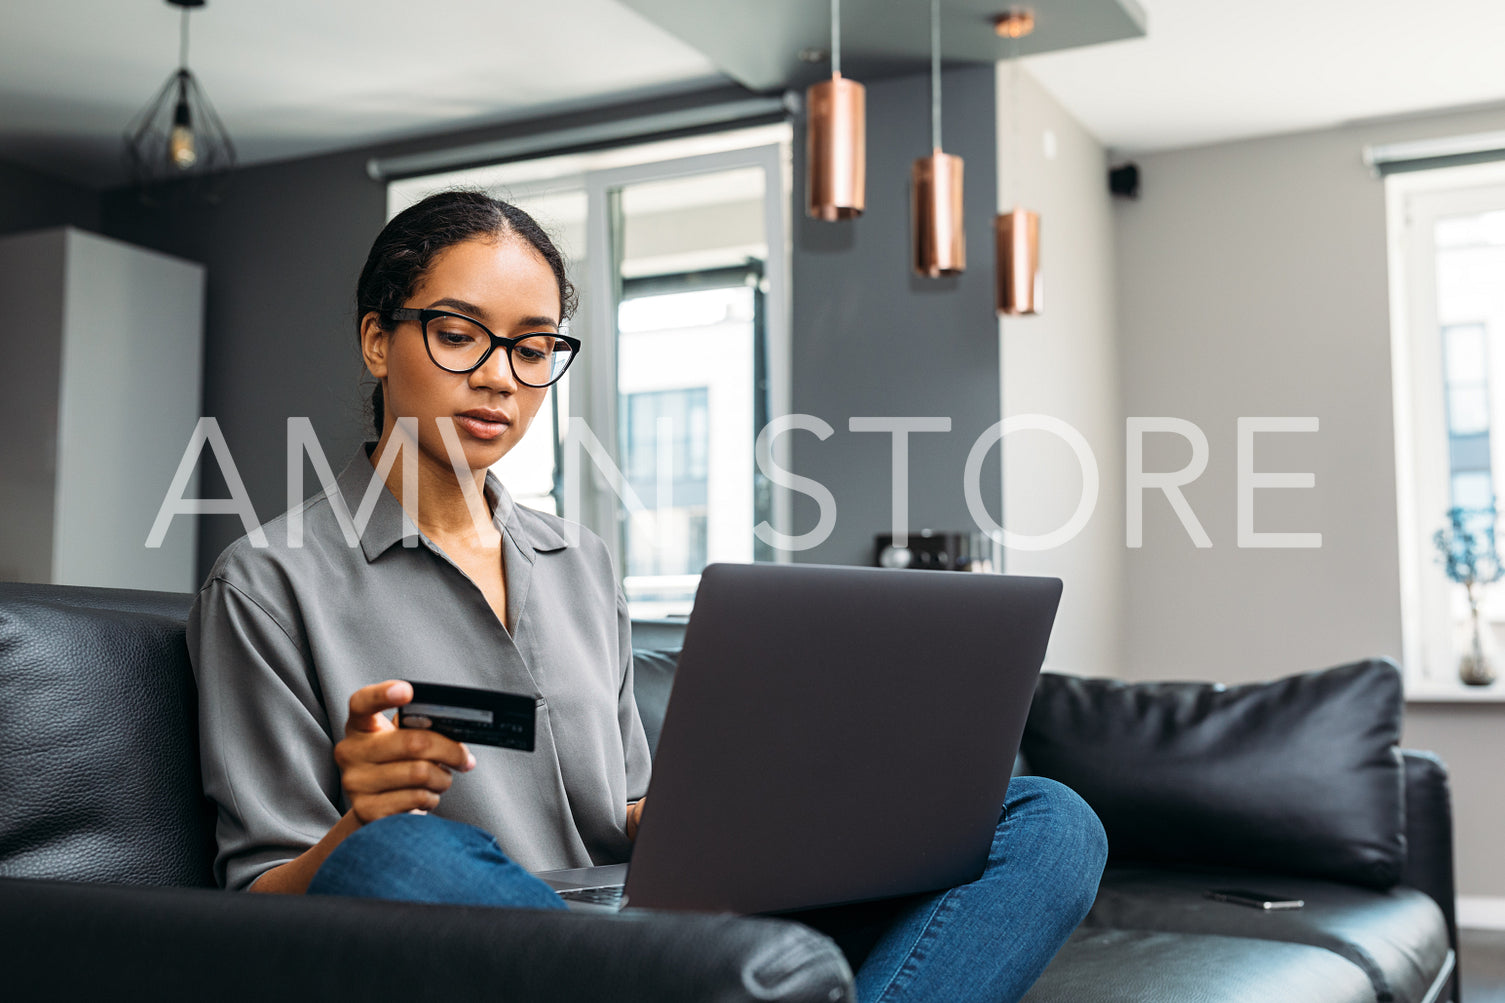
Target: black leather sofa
106,889
1295,788
106,843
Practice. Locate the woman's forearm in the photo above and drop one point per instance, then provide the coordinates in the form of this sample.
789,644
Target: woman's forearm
293,877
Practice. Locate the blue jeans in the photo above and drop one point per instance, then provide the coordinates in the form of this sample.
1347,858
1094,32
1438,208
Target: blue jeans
987,940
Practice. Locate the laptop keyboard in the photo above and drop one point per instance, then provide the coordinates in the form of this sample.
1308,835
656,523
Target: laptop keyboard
601,895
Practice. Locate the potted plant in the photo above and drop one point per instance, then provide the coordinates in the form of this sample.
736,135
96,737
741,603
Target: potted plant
1467,550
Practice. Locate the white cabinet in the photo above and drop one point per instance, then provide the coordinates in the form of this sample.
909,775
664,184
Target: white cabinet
101,352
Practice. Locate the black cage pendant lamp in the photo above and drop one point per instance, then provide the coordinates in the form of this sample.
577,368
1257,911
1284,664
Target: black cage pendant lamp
178,135
836,139
940,245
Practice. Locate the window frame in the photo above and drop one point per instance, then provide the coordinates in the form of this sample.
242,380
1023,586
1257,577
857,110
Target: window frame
599,402
593,375
1429,600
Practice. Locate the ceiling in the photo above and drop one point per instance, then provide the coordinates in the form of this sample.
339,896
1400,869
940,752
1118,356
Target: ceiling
1213,70
760,44
294,77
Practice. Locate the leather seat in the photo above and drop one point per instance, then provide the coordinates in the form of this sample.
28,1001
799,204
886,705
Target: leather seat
1396,938
1142,966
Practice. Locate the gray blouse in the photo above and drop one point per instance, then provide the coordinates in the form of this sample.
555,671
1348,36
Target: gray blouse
280,637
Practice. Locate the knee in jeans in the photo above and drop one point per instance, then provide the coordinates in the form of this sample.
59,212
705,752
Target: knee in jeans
1082,842
413,837
403,826
379,857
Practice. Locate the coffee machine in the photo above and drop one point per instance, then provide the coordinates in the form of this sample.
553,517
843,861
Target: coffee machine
931,551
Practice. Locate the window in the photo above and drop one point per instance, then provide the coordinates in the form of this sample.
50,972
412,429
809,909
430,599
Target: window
664,436
678,250
1448,307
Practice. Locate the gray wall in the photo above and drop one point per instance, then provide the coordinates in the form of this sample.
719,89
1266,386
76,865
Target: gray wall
1253,281
283,254
871,339
30,200
32,266
284,250
1064,363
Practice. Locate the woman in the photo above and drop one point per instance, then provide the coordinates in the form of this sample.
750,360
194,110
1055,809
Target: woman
299,649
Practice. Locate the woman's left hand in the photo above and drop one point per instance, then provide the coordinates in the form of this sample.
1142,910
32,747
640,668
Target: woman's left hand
635,817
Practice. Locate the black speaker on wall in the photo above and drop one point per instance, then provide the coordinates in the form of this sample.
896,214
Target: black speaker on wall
1123,181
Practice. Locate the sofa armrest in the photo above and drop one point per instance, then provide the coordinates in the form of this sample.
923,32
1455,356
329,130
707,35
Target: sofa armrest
80,940
1429,834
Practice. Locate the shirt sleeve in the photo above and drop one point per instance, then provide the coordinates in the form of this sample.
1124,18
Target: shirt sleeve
265,747
634,739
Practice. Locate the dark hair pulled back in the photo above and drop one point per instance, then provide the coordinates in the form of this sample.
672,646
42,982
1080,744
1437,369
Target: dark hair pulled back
406,247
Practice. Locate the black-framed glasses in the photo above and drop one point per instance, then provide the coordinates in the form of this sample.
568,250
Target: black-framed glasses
458,344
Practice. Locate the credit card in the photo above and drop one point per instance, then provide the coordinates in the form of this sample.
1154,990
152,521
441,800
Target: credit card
465,714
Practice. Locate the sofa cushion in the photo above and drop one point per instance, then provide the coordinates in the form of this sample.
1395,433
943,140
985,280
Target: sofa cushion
1142,966
173,605
652,677
663,634
1397,938
1299,775
98,744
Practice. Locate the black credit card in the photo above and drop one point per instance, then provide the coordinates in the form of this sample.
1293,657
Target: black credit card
486,717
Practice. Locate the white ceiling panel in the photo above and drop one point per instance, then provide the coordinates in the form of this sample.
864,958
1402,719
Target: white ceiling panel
1211,70
292,77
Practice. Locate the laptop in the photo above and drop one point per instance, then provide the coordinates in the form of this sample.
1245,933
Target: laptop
833,735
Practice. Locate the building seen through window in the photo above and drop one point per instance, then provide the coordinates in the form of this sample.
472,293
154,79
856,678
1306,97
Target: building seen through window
1470,314
665,441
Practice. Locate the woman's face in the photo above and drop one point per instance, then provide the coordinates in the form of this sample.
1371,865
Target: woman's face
507,286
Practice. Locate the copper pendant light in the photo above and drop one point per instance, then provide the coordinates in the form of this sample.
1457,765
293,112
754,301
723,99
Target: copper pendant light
836,139
940,244
1018,289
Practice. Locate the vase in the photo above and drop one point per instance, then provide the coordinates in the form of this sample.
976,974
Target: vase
1476,667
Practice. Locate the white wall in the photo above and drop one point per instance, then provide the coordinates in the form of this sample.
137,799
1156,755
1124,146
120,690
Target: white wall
132,368
1064,363
98,400
1252,281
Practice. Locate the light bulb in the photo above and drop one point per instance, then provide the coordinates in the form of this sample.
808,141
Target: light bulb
181,148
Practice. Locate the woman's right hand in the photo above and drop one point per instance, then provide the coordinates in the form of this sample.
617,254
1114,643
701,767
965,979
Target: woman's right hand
386,770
